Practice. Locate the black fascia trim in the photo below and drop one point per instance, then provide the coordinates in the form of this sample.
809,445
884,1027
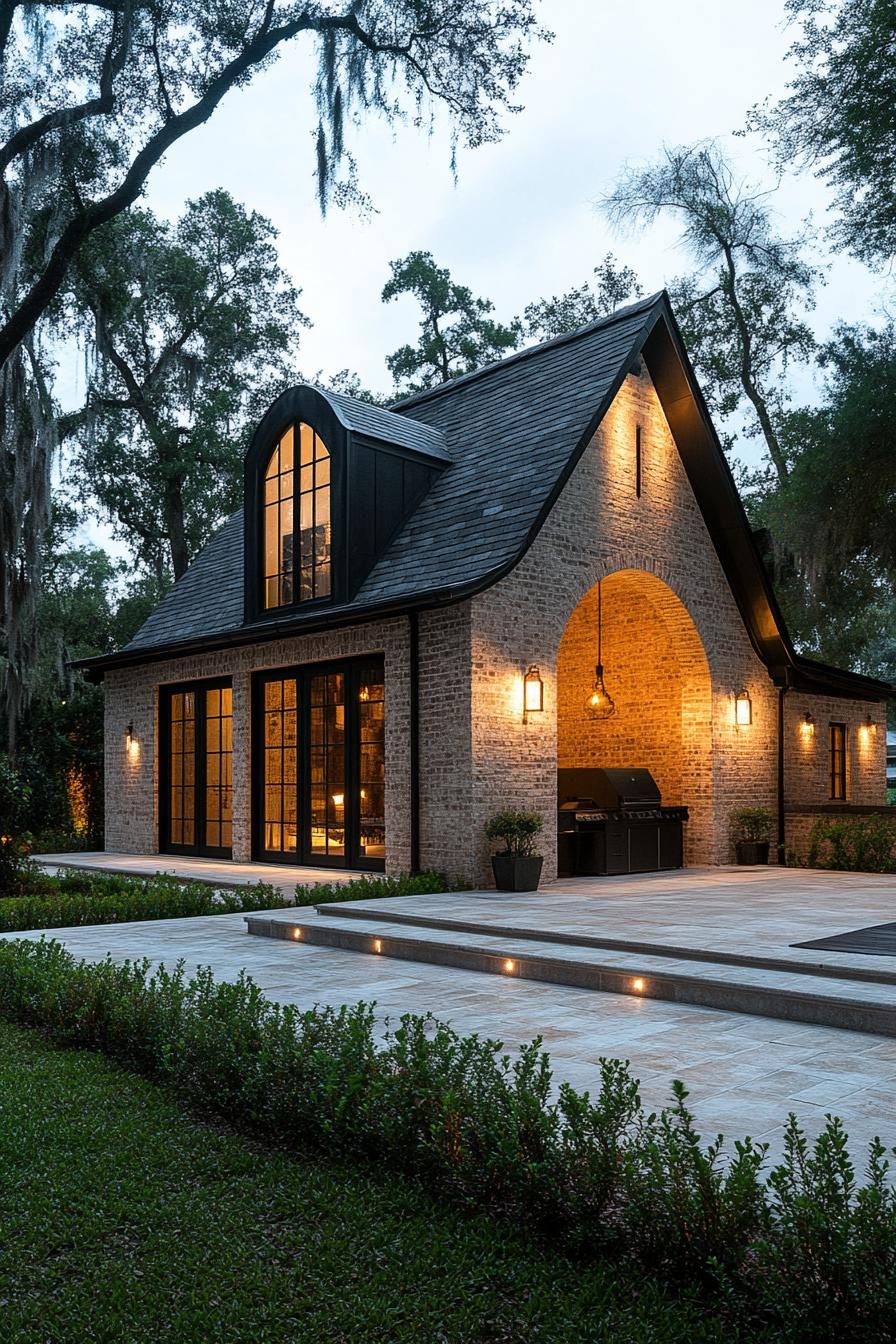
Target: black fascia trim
712,481
297,403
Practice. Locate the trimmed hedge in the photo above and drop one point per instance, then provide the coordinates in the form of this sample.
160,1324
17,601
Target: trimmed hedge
376,888
804,1249
77,897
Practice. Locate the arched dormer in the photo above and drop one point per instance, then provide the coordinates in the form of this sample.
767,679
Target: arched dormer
328,482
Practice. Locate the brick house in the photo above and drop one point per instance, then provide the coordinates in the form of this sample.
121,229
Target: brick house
340,677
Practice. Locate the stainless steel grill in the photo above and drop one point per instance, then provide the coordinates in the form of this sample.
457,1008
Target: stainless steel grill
612,821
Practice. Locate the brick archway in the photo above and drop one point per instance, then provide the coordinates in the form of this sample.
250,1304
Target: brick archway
657,671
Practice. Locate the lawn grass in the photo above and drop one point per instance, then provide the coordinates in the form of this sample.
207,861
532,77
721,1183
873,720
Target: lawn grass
123,1219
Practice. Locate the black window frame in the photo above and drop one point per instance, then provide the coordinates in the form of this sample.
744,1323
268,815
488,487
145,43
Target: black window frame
304,673
166,693
300,405
838,778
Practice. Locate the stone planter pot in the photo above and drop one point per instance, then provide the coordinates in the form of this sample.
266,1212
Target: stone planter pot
517,872
751,851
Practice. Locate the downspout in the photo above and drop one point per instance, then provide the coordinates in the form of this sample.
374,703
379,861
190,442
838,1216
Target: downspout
782,825
414,670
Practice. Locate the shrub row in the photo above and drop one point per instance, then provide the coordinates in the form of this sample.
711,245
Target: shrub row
76,897
376,888
854,844
804,1248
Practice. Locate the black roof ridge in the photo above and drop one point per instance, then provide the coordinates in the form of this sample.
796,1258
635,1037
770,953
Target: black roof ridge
565,339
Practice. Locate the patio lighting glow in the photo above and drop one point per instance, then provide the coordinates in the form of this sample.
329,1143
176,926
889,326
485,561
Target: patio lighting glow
743,709
807,727
868,728
377,944
508,966
297,933
600,703
131,745
639,985
533,692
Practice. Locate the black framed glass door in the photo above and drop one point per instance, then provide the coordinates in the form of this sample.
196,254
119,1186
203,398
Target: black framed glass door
319,765
196,769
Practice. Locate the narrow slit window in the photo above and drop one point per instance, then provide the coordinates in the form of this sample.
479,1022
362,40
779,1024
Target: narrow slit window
838,762
638,461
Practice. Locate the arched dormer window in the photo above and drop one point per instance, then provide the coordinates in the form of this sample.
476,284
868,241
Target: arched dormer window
296,525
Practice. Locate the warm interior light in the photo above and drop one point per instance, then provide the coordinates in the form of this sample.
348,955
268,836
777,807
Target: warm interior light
508,966
638,985
338,799
743,709
364,693
533,691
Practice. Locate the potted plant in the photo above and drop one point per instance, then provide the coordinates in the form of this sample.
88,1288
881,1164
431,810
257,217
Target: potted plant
517,867
751,829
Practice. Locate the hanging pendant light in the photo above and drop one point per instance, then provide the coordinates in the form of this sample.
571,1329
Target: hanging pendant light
600,704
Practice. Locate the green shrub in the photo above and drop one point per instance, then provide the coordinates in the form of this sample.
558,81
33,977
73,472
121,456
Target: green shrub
76,897
804,1249
376,888
854,844
751,825
515,830
15,842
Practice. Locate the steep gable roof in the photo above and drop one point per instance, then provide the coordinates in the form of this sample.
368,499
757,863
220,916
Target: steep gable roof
513,433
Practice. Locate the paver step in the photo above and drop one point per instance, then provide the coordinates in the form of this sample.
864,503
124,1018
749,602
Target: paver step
733,988
796,964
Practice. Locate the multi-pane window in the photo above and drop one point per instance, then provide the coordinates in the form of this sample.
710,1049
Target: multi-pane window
319,764
281,761
219,767
327,750
196,768
372,764
838,761
296,521
182,768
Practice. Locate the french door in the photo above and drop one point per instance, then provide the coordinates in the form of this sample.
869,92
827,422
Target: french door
196,769
319,765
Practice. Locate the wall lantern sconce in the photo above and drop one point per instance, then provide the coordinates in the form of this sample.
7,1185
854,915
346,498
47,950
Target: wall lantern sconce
807,727
867,730
131,745
533,692
743,709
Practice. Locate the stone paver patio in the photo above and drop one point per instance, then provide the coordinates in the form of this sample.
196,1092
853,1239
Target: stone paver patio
219,872
744,1073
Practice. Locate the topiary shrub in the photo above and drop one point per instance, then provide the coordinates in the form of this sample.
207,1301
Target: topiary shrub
515,830
376,888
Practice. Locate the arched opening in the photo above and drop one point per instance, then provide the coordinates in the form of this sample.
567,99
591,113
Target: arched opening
657,673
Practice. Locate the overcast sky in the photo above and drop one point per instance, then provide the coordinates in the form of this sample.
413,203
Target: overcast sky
617,82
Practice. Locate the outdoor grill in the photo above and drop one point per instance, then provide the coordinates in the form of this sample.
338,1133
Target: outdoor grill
612,821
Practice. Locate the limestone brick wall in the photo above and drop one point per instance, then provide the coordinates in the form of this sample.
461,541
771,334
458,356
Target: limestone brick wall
445,742
807,765
598,527
132,812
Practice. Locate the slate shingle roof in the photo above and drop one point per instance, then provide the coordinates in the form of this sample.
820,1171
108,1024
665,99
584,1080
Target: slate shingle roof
509,431
387,426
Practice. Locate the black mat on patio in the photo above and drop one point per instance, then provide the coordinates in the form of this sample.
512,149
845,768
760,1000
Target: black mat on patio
879,940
